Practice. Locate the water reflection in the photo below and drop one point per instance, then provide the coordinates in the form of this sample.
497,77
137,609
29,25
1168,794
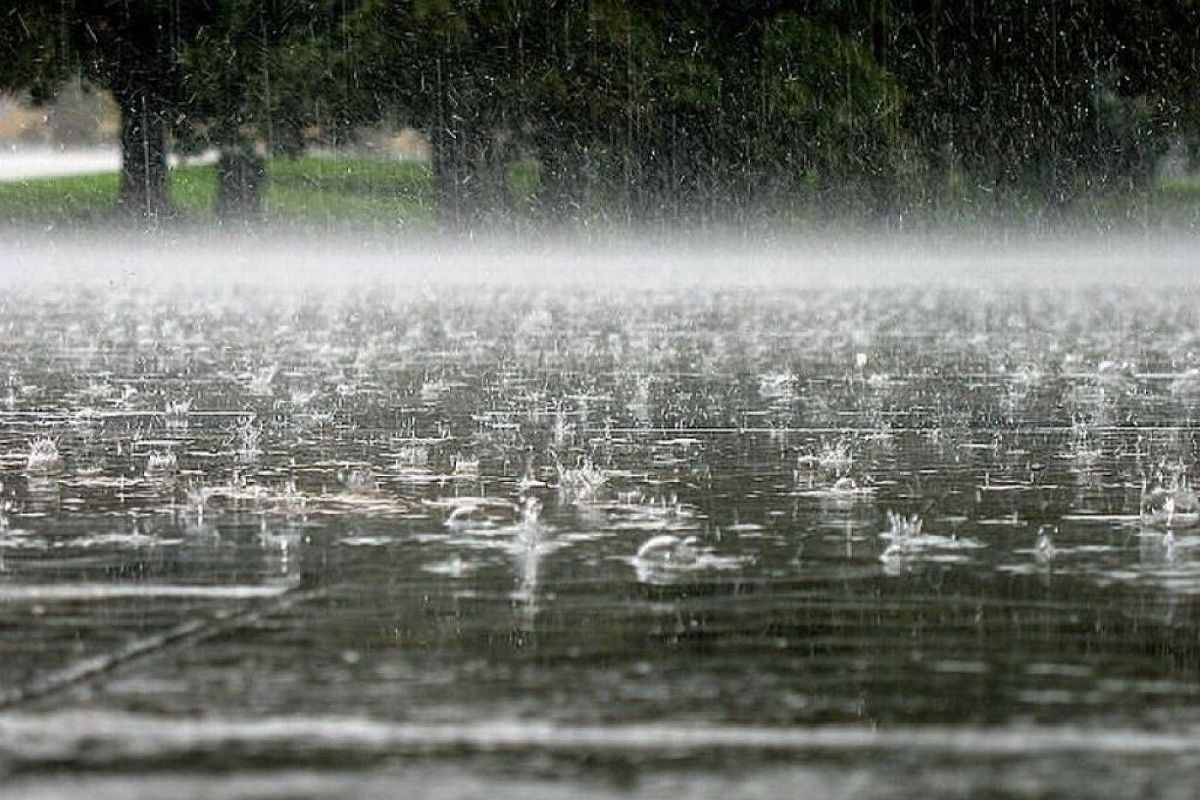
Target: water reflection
527,553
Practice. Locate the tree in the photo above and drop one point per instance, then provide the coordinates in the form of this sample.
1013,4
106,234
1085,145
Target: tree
129,47
1038,99
452,69
649,110
703,111
255,78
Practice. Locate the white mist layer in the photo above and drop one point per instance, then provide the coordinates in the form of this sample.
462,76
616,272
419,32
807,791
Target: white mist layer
305,262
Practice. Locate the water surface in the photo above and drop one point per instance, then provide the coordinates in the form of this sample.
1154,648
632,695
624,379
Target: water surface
285,547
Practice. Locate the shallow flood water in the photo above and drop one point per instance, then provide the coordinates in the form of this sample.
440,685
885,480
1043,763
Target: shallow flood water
325,543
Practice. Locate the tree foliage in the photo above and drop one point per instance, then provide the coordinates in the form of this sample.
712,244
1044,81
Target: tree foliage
643,109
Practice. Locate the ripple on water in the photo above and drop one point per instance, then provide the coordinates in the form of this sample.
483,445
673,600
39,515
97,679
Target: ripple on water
325,440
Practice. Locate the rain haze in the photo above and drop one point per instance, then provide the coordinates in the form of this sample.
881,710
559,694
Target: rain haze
605,399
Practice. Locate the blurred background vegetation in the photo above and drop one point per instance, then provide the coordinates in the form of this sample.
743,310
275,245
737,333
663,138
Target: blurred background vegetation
468,113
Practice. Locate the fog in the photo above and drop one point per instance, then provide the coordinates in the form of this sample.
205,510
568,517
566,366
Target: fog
281,261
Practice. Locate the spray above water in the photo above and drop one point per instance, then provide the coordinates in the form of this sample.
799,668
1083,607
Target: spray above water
1170,503
44,459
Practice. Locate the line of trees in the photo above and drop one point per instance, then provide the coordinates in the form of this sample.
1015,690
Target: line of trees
643,109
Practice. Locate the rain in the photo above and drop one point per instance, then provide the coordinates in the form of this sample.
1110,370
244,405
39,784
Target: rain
599,399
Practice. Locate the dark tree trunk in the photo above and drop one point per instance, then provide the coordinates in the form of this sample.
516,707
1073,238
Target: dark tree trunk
884,191
455,182
144,192
563,185
939,173
496,156
241,181
651,178
1062,188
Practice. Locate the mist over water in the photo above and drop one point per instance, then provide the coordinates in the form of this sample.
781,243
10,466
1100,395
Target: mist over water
282,261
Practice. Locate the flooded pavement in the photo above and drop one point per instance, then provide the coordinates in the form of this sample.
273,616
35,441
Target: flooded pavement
510,542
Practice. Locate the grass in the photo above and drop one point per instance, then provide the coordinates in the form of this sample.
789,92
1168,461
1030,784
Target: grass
311,190
49,202
322,193
305,191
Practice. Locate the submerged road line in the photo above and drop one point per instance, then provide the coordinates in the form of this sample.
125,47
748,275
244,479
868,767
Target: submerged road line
188,632
118,737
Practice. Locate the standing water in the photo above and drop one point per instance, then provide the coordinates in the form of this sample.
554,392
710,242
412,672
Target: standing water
513,540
